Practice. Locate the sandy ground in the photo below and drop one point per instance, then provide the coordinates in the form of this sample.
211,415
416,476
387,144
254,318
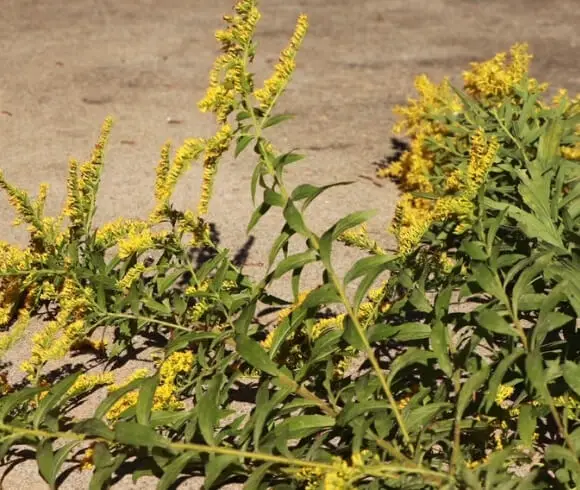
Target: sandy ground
65,65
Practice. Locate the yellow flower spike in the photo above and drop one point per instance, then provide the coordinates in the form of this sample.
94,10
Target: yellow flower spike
496,78
131,276
87,461
176,363
215,148
16,332
503,392
169,175
87,382
276,84
136,243
358,237
326,324
111,233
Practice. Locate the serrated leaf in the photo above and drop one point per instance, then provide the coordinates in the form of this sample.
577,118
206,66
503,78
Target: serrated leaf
527,424
145,400
494,322
303,426
208,409
489,282
535,374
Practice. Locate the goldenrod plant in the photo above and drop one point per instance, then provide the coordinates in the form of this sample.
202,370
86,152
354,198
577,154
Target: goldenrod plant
450,363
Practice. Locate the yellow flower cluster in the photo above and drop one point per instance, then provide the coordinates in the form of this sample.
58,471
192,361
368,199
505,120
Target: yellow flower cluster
47,345
503,393
494,79
413,168
215,148
165,397
88,382
87,462
168,174
132,275
414,217
434,100
342,476
83,182
16,332
359,237
138,242
228,77
275,85
110,233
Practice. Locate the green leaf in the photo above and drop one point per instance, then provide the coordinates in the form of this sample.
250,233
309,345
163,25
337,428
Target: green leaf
403,333
494,322
353,410
303,426
10,402
489,282
208,409
273,120
56,393
255,356
350,221
215,467
172,471
94,427
260,211
560,453
243,141
411,356
295,219
294,261
476,250
440,344
527,424
420,301
571,372
469,388
323,295
114,396
274,198
499,372
145,401
309,192
134,434
365,265
417,418
105,466
258,474
287,159
535,374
